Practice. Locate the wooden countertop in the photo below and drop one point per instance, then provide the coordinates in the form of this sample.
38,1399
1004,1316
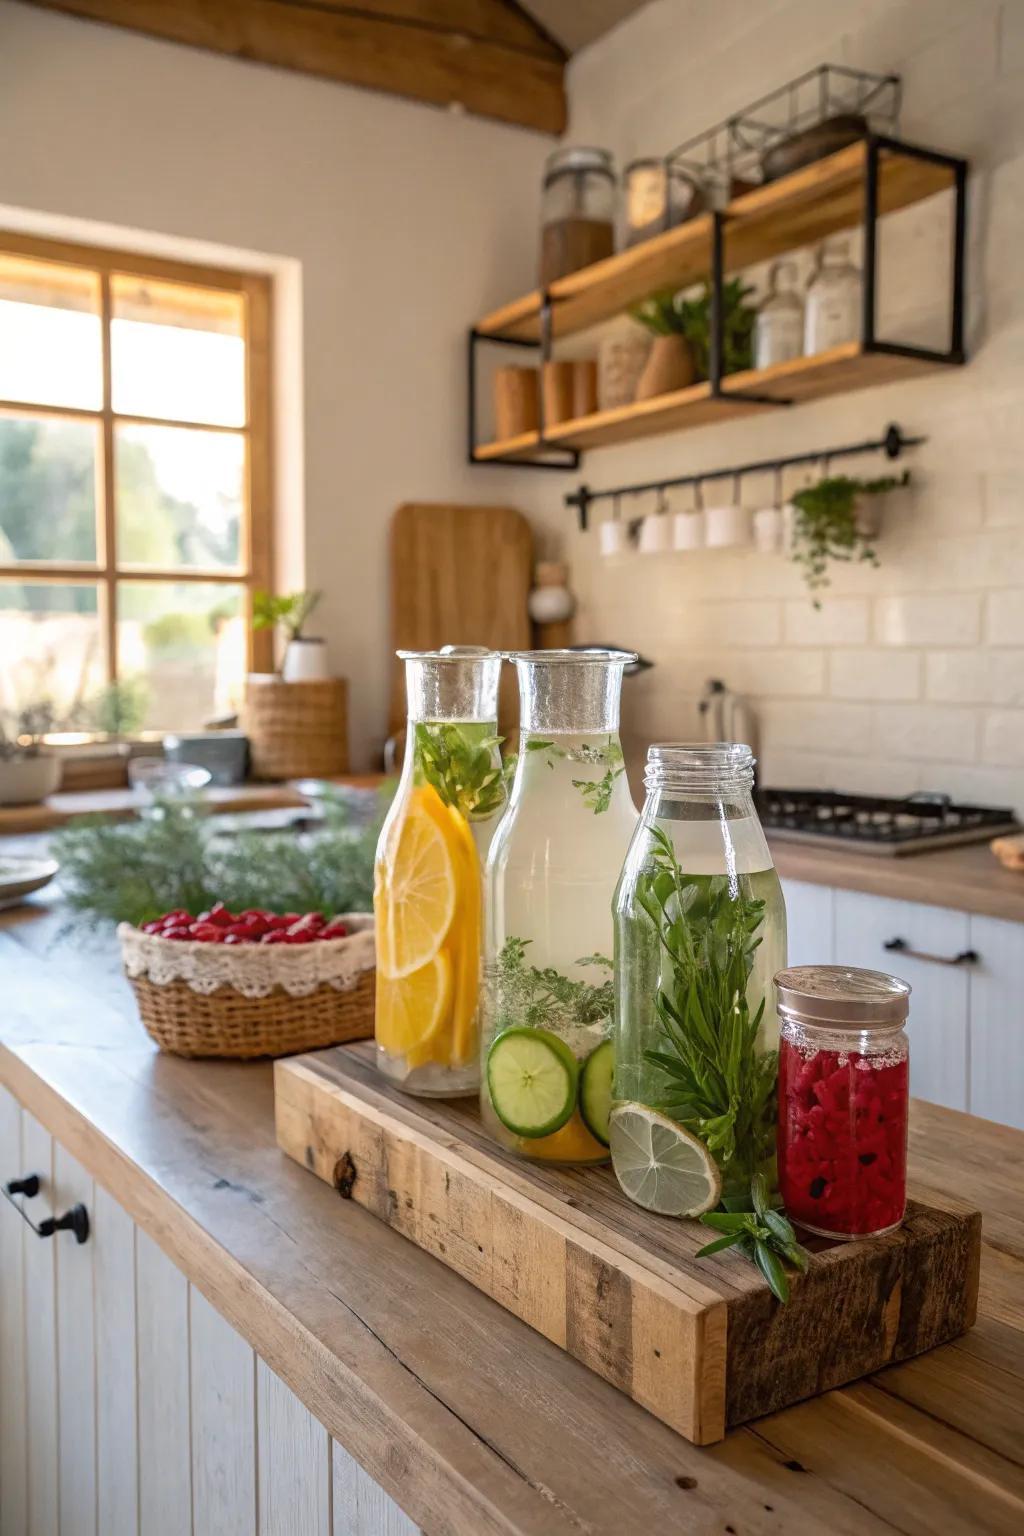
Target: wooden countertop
969,878
474,1423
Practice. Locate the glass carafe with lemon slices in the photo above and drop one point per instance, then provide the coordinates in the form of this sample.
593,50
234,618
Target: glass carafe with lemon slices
428,875
551,874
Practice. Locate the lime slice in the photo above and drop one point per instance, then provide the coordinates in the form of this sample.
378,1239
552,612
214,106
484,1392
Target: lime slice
531,1077
596,1090
659,1165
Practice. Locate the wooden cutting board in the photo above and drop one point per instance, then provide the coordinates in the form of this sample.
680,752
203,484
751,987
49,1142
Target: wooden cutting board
459,576
700,1343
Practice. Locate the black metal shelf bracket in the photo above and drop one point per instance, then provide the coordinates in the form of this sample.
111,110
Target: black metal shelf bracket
566,458
75,1220
892,443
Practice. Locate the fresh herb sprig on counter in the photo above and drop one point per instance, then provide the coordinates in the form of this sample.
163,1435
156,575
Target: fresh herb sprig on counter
460,763
762,1235
526,994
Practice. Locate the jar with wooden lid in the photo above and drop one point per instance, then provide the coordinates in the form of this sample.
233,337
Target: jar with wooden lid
577,212
843,1099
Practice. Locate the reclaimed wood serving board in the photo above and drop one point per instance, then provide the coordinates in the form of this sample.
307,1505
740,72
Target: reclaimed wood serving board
701,1343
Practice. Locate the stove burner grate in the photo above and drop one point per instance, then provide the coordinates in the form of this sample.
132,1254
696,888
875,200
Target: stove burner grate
875,823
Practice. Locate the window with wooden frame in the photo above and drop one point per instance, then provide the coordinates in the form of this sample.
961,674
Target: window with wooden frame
134,485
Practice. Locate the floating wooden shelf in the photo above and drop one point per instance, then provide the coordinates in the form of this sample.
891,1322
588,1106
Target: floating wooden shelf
838,371
794,211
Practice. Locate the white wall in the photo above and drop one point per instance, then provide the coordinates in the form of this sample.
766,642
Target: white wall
912,676
404,222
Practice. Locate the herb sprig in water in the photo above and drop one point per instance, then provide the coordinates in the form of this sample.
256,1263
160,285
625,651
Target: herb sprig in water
527,994
462,766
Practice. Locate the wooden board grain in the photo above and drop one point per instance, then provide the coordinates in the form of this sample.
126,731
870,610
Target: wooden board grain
460,575
701,1344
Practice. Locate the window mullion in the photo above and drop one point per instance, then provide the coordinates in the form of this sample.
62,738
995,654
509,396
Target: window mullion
109,513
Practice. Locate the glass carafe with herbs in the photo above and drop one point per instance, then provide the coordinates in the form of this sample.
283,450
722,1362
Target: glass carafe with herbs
551,874
428,887
700,931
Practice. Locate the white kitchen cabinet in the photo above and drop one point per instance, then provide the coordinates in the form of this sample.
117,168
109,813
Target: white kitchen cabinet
98,1337
997,1021
938,1030
810,918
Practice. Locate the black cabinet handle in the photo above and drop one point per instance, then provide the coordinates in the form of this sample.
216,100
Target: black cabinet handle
75,1220
901,947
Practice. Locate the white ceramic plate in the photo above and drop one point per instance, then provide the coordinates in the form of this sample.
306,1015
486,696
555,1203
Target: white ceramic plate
19,877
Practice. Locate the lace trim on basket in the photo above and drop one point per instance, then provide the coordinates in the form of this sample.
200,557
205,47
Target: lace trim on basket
254,970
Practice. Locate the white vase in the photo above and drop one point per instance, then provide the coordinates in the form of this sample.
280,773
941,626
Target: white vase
655,534
613,537
726,526
768,529
688,530
27,780
305,661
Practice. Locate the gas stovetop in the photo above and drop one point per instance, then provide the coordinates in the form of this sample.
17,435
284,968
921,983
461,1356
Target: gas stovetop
873,825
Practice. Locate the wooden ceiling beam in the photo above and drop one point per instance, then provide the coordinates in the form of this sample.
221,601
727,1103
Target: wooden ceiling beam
482,55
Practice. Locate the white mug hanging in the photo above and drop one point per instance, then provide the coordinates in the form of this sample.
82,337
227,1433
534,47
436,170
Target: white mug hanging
768,522
613,535
656,530
688,526
728,523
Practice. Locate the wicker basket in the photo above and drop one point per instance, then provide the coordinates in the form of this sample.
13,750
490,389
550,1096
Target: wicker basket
226,1021
296,730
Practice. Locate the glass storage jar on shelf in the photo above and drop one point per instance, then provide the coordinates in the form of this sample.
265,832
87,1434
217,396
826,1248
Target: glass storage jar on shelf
551,873
833,310
843,1099
577,211
779,325
428,882
700,930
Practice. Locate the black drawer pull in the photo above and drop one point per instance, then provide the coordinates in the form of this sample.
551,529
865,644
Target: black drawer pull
901,947
75,1220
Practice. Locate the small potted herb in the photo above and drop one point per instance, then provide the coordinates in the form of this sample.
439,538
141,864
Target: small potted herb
305,657
837,519
29,770
670,363
738,318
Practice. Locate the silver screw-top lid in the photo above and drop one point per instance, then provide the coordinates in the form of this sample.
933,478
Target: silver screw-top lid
842,995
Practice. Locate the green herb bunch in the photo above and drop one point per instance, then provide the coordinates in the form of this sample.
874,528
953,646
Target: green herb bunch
290,610
525,994
717,1083
762,1235
131,871
825,527
461,763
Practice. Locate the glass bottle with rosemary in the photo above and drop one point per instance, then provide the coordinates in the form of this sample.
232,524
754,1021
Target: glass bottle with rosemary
547,1053
428,888
700,930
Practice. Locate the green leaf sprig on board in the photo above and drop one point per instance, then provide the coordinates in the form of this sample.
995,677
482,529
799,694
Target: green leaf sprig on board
131,871
460,761
526,994
763,1235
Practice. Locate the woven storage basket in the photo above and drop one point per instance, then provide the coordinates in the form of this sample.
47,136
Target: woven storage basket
226,1021
296,730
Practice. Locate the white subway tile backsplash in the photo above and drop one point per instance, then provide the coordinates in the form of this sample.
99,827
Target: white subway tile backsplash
816,726
1003,741
939,619
776,673
976,677
875,674
926,731
1005,618
1004,496
839,621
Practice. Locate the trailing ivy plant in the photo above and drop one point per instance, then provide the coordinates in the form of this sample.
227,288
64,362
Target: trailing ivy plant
825,527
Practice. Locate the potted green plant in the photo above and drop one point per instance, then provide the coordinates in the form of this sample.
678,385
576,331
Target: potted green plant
29,770
670,363
738,318
837,519
305,656
119,709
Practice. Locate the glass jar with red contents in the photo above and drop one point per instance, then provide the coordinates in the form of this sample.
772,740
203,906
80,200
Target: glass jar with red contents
843,1096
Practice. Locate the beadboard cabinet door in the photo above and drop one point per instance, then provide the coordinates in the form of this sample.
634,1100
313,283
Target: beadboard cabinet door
128,1406
938,1030
997,1021
810,920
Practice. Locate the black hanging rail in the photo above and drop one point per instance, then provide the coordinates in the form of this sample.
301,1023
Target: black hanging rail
892,445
